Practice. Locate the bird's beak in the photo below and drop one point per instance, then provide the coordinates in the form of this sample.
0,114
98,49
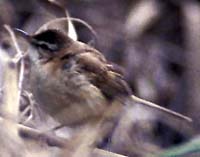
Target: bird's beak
23,34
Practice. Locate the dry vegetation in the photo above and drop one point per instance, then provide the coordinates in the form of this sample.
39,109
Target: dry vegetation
156,42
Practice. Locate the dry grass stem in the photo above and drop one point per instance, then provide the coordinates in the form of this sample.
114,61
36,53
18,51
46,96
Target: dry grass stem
11,93
155,106
57,141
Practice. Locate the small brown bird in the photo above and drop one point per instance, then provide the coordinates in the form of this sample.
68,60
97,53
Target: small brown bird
73,82
70,80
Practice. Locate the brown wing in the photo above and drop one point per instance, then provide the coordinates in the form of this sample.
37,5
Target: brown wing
102,74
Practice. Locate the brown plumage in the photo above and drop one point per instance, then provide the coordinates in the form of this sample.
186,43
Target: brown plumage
72,81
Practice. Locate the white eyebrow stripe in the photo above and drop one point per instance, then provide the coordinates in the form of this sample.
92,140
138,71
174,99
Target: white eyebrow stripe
50,46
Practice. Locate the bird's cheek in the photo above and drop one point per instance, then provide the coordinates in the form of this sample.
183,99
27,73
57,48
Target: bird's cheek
33,54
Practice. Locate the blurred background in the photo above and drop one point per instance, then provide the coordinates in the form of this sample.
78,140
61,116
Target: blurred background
156,42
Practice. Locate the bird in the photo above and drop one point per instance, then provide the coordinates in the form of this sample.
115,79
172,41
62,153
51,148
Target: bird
72,81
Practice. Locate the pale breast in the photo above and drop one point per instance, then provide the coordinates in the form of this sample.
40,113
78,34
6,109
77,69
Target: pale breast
67,96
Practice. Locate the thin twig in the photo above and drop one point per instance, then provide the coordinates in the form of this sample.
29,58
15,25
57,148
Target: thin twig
28,108
59,142
69,19
153,105
10,106
85,24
